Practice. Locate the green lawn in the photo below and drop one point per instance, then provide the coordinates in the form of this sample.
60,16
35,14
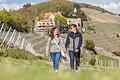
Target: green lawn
14,69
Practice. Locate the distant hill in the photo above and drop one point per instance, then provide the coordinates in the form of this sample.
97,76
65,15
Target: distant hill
98,16
84,5
32,11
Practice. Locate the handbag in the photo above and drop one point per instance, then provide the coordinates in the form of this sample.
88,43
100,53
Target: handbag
62,53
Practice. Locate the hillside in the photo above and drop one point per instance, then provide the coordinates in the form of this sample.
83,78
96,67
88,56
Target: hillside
51,6
64,6
105,22
84,5
98,16
106,26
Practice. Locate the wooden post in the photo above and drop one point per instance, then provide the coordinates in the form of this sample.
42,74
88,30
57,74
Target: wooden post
22,43
1,28
5,36
3,33
12,41
105,63
9,41
17,41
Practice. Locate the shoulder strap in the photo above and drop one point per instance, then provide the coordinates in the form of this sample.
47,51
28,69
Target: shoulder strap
56,43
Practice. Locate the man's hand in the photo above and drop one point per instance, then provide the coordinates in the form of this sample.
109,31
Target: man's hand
76,50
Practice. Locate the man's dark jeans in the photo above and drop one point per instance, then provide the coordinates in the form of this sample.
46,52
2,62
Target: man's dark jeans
74,56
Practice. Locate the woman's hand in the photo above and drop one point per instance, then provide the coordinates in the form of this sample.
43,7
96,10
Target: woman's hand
76,50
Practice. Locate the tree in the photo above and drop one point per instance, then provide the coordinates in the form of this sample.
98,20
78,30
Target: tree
62,23
80,14
19,23
5,17
27,5
61,20
40,17
89,45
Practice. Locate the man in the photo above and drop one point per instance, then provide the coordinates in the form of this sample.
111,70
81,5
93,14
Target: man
73,44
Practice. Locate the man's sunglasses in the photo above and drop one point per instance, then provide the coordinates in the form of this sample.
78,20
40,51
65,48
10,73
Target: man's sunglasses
71,27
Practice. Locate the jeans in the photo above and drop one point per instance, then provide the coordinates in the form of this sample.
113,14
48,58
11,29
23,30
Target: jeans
74,56
55,56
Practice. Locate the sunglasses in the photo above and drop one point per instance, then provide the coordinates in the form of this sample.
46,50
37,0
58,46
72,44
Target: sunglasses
72,27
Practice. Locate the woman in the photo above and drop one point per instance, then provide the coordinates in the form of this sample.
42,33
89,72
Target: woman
52,47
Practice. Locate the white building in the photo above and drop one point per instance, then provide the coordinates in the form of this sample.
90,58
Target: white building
74,21
40,26
47,21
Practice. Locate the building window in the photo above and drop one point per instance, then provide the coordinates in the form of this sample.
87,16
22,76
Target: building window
39,26
43,23
47,23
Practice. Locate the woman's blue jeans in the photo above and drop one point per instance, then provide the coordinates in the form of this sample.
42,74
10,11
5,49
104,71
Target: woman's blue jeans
55,56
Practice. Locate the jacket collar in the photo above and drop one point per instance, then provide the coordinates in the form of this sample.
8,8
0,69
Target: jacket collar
76,32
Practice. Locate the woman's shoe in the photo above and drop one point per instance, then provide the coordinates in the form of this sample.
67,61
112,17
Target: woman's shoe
56,70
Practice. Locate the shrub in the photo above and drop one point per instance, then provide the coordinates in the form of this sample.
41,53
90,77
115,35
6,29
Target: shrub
46,57
91,27
16,53
89,45
92,61
3,52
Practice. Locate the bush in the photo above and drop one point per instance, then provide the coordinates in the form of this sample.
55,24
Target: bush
91,27
16,53
116,53
46,57
92,61
3,52
89,45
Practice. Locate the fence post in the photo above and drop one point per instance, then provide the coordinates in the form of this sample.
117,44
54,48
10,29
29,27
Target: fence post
17,41
119,63
22,43
9,41
26,46
12,41
101,63
2,28
112,64
105,63
6,36
3,33
97,63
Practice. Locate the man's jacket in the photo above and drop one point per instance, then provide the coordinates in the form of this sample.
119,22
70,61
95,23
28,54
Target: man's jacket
73,41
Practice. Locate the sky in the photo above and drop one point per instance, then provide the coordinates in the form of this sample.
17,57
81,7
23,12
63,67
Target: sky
111,5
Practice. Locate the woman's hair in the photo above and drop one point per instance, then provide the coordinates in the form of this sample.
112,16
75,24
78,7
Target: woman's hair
52,32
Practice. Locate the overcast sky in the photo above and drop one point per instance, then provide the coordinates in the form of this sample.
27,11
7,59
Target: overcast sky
111,5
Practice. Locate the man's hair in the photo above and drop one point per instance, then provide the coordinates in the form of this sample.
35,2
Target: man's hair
74,25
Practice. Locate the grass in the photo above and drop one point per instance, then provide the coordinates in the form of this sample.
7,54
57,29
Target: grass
100,16
16,53
36,69
106,36
107,27
14,69
101,57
